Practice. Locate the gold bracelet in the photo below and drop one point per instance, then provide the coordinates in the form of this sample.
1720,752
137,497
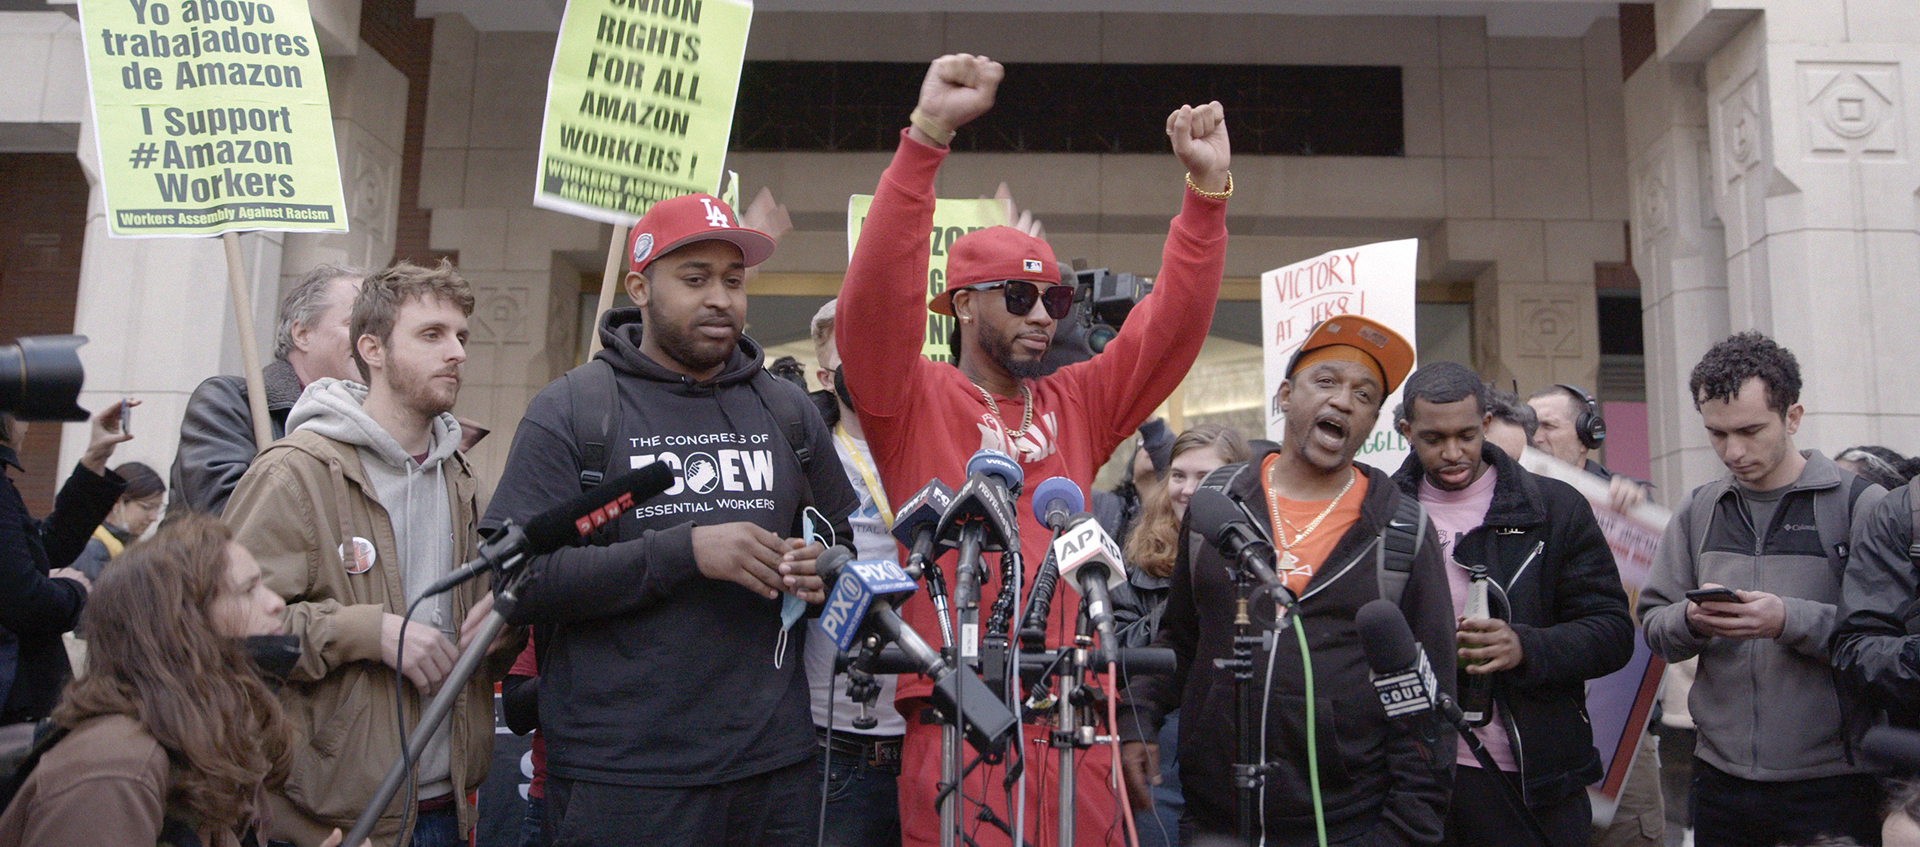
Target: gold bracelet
932,128
1210,195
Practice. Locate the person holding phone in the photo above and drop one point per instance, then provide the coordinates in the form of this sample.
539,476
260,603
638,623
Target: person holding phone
1747,577
40,595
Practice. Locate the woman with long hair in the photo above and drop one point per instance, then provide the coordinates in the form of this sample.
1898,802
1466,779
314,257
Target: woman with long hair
1154,541
172,734
1150,551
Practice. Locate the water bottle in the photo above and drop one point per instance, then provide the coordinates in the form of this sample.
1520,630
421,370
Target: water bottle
1476,690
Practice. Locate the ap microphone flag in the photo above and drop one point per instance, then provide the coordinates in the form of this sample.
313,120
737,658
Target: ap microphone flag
1085,544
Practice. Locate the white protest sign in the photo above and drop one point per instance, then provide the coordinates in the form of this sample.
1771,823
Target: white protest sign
1374,281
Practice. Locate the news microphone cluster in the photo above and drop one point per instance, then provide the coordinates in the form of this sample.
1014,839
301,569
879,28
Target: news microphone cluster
863,596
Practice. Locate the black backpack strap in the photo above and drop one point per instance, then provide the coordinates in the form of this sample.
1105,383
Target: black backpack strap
1400,542
789,408
592,401
13,783
1833,515
175,832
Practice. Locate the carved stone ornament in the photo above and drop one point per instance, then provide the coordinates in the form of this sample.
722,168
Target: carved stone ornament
1549,328
1851,108
500,314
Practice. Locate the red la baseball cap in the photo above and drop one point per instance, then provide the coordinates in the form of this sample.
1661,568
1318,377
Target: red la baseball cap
993,254
676,222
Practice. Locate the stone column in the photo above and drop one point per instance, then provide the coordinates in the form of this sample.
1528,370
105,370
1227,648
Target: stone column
1679,251
1810,111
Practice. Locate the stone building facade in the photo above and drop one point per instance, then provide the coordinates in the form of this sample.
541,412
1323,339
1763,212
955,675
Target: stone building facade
1714,164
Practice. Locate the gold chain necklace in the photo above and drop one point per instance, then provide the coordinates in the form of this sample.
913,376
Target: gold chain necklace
1299,535
1026,403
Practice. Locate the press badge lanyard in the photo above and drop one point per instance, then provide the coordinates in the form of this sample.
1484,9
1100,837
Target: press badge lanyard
866,477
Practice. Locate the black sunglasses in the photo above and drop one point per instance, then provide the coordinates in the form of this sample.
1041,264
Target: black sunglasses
1021,294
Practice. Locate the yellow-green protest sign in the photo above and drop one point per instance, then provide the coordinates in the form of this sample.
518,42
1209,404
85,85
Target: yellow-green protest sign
639,104
211,116
951,219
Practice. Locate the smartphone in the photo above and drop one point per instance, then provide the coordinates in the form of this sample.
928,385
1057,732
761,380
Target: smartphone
126,417
1717,595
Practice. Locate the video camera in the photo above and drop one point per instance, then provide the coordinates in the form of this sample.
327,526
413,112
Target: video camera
40,377
1109,297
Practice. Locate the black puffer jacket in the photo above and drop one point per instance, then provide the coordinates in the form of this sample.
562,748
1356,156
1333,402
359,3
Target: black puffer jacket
35,610
1567,607
1383,781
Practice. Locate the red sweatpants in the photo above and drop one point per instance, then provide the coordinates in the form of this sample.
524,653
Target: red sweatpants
1096,808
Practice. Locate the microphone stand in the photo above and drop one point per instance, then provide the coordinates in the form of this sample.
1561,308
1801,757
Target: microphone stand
1510,791
1069,733
1249,773
505,596
967,594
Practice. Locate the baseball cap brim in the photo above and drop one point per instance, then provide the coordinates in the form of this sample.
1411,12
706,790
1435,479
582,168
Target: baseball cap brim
1385,346
755,246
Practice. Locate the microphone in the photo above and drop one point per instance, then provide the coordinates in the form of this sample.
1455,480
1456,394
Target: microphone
856,587
916,520
559,526
1402,675
590,510
980,519
1091,562
1227,528
1410,693
1000,466
864,592
982,503
1054,500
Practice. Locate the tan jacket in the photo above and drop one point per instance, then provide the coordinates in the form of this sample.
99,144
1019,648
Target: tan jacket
106,783
297,504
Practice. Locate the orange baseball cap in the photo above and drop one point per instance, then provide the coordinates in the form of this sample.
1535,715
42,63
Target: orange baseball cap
1390,354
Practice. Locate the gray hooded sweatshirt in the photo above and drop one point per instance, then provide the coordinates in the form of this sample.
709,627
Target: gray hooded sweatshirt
415,498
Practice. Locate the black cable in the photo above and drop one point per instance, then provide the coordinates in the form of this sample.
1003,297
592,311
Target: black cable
411,808
826,767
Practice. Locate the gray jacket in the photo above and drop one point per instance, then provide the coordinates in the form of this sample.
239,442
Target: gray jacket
1766,710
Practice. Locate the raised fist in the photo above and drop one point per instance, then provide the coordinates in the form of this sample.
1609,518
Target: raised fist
959,87
1199,137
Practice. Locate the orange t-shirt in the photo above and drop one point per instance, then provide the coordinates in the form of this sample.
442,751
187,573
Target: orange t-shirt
1300,559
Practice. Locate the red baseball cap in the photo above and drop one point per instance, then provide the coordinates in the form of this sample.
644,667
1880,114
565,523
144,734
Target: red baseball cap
993,254
676,222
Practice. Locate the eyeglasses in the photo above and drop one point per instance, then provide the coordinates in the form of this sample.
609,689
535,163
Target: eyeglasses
1021,294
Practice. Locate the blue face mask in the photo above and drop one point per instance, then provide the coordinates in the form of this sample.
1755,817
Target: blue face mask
812,525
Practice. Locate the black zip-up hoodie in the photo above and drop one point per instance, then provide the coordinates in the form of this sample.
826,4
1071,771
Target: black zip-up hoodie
1381,779
652,674
1542,546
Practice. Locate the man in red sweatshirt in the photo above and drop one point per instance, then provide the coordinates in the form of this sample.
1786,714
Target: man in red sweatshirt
924,419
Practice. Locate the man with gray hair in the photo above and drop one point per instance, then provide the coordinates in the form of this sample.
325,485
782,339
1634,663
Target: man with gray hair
310,342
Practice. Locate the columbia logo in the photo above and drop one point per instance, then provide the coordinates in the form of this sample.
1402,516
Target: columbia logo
1799,527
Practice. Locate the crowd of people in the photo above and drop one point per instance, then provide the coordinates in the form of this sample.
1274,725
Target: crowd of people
249,673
